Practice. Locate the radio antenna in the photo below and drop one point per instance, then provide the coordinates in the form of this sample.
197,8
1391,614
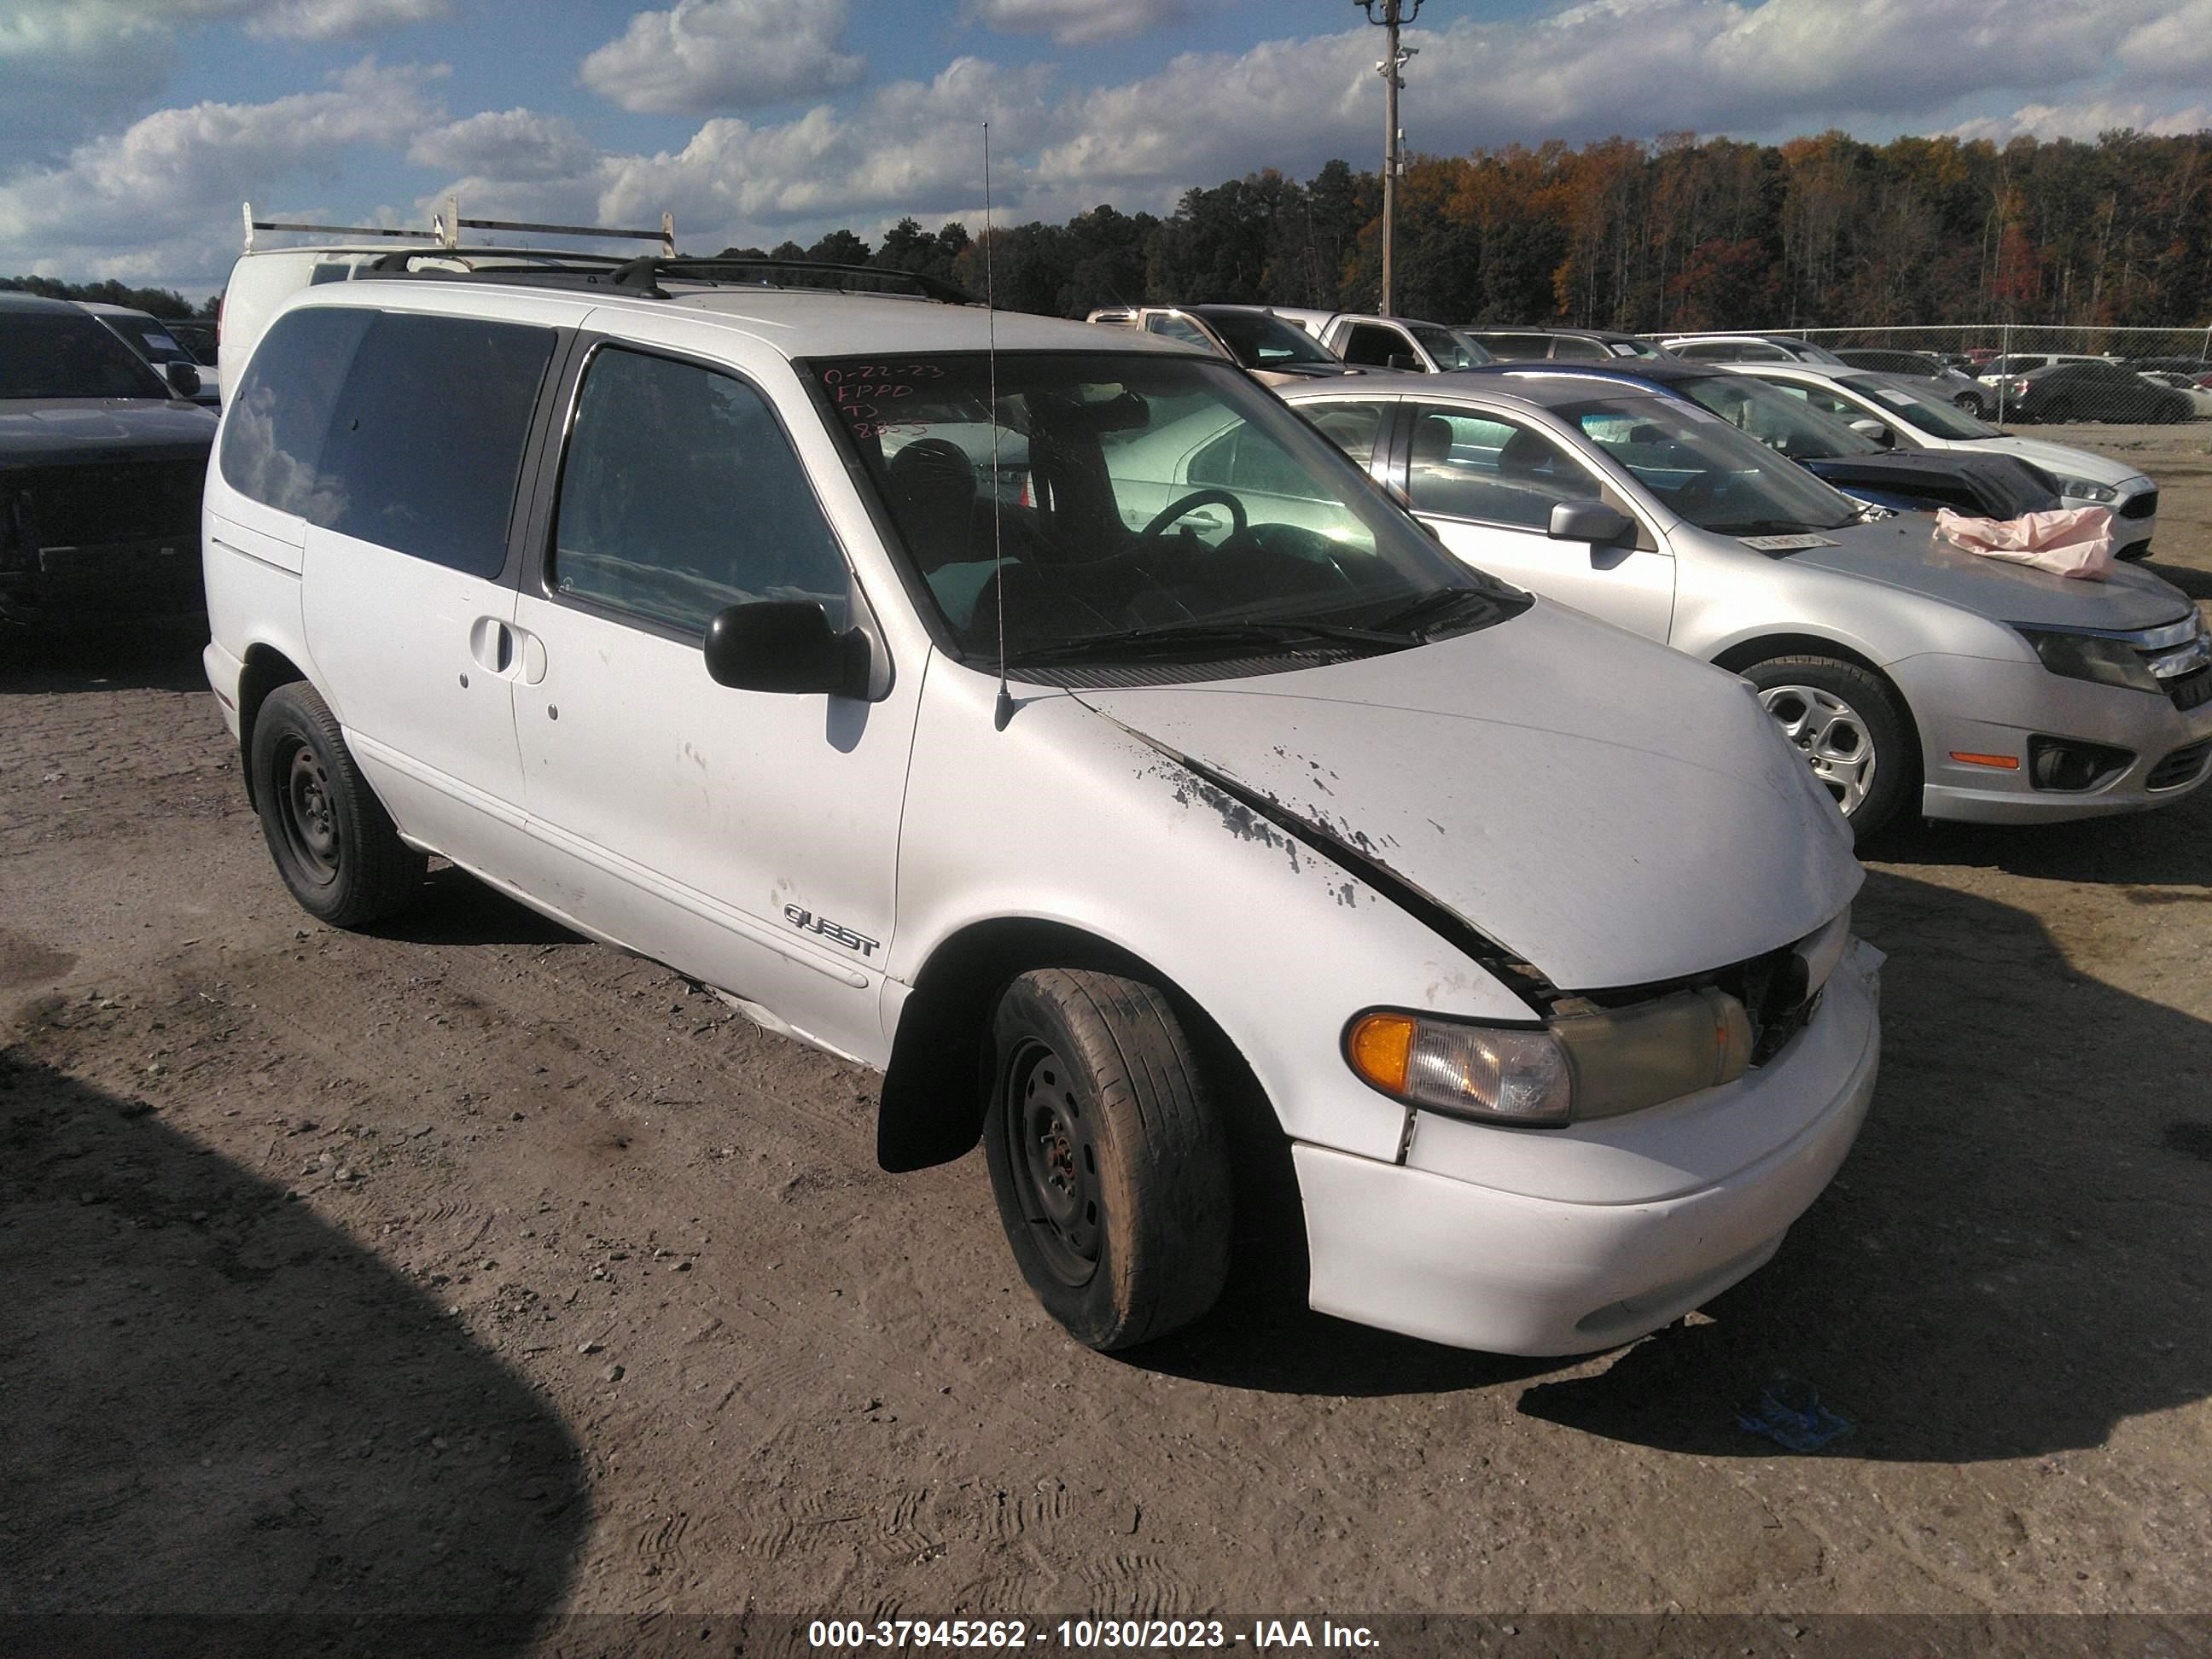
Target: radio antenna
1003,711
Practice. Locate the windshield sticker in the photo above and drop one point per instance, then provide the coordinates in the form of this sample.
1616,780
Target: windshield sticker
1787,543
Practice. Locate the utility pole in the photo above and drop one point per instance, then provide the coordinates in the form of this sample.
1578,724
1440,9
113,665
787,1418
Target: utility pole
1391,15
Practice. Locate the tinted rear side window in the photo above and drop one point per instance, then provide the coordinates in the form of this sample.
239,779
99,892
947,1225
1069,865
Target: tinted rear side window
400,429
279,411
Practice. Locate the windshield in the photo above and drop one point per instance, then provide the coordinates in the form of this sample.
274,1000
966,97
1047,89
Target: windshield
1929,414
1165,504
1777,419
1704,469
1638,348
1451,349
56,354
1260,341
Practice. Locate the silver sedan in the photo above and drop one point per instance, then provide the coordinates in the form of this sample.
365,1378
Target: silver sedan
1914,676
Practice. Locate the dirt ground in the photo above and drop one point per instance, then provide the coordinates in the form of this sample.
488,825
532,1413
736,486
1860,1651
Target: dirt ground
468,1265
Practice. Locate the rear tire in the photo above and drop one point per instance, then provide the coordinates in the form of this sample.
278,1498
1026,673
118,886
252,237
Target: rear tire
333,842
1107,1160
1852,729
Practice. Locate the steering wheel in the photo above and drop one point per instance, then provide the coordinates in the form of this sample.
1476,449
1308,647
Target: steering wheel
1695,495
1176,508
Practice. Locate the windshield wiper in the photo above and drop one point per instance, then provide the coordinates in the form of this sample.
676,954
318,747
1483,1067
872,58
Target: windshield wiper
1433,607
1205,636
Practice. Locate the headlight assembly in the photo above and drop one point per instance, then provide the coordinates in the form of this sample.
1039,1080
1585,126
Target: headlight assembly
2102,658
1574,1067
2084,489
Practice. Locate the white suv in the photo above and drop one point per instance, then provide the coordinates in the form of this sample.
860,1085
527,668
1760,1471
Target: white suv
678,611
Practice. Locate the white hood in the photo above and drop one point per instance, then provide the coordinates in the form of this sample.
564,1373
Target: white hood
1605,809
2062,459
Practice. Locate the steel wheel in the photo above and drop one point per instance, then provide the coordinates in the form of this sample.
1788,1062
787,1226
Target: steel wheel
1831,734
1054,1158
310,823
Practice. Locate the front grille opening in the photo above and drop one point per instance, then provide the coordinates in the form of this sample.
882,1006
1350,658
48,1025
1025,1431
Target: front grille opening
2140,507
2190,690
2182,766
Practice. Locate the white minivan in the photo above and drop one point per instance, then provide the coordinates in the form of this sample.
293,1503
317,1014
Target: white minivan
676,610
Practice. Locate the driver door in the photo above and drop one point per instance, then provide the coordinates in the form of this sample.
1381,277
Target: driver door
1487,482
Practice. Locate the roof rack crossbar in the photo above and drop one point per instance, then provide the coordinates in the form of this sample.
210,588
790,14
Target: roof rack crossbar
645,274
446,228
665,235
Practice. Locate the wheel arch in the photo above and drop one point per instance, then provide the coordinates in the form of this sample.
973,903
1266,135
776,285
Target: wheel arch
265,668
932,1103
1744,652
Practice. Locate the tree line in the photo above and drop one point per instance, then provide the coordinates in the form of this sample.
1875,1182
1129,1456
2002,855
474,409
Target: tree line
1676,233
155,302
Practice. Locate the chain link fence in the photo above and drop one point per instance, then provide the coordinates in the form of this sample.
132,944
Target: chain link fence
2018,372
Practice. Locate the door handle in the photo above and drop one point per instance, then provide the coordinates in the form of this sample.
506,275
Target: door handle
491,642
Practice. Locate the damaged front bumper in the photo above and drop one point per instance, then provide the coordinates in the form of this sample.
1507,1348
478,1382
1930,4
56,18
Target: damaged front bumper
1536,1241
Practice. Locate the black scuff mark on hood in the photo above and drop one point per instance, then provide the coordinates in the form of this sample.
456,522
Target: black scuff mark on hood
1253,815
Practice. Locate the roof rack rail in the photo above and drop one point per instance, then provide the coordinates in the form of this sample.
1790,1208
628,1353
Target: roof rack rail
644,275
446,228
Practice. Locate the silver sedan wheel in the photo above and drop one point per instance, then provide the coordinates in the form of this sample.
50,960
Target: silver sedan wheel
1829,733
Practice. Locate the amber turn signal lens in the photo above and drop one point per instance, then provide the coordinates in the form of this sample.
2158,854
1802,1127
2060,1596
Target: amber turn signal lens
1380,1048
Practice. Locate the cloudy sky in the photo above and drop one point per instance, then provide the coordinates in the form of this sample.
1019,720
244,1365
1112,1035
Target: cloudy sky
131,129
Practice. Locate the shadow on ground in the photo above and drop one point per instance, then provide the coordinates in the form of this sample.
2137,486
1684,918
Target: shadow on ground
158,656
216,1404
456,908
2170,846
2014,1258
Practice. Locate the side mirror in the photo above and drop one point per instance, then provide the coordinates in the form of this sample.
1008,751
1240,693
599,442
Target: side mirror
1590,521
1406,362
183,380
785,644
1875,429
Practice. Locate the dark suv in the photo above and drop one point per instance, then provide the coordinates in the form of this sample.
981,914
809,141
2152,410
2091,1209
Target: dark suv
101,461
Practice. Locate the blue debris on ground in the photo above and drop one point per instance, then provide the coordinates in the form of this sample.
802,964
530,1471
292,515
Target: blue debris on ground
1789,1413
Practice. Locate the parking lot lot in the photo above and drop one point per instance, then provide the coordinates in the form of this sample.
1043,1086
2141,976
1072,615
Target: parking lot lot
469,1265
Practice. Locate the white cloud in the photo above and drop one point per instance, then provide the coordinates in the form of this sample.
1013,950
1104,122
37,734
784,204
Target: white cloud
706,55
2174,49
1634,66
161,197
337,20
910,147
2084,119
516,144
67,67
1075,23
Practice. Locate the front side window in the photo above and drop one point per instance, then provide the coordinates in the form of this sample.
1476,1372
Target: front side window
1707,472
1373,346
66,354
1895,402
681,496
1711,351
1170,510
1471,465
1450,348
1780,422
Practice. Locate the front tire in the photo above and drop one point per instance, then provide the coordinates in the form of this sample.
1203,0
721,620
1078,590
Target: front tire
1851,727
331,839
1107,1157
